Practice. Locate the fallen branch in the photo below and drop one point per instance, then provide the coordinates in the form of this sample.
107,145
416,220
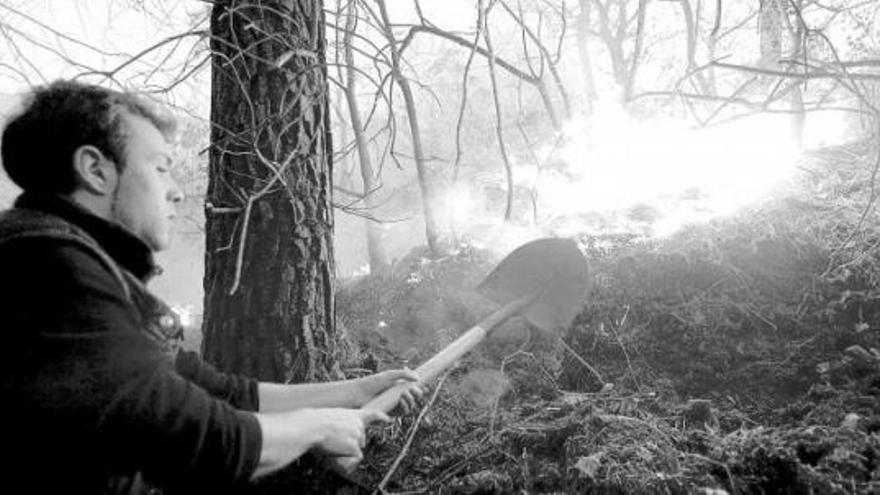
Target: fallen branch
582,361
410,436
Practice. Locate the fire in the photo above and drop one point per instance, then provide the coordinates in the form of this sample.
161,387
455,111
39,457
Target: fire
616,173
185,313
685,174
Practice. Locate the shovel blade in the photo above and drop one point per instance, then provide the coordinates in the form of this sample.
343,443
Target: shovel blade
553,271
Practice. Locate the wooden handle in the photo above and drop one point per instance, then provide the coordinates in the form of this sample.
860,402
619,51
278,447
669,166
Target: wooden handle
449,355
440,362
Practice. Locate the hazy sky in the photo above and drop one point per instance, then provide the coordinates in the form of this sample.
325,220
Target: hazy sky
43,38
46,39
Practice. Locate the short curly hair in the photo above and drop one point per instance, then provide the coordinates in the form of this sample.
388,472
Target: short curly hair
38,144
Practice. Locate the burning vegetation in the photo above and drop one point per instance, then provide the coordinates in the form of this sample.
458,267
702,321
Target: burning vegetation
735,356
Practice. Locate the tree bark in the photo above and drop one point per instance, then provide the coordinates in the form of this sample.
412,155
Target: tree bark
269,267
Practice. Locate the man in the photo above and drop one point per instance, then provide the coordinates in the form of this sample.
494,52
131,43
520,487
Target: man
97,398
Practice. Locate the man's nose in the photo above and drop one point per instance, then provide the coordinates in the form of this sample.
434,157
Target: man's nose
175,193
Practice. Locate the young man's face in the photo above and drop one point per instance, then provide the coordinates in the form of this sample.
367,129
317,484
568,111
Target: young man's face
145,197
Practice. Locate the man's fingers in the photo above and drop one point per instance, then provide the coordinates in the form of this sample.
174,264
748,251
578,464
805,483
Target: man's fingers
419,392
406,403
348,464
416,395
370,415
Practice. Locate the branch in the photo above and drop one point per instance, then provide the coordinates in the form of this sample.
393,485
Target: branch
718,15
464,95
59,34
797,75
471,46
545,55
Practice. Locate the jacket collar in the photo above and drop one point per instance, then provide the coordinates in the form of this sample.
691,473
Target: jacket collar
126,249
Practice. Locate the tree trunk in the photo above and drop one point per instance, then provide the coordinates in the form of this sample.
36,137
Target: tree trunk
635,58
613,39
798,50
583,30
375,246
770,33
269,274
692,30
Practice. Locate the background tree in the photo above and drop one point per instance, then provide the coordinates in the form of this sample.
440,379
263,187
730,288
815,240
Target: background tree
375,247
432,227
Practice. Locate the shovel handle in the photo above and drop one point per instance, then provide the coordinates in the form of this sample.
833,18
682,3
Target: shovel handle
440,362
449,355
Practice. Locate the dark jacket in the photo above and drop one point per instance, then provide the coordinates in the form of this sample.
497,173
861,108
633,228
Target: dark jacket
96,396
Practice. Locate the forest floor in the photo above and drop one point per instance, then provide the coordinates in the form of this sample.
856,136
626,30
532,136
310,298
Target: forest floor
739,356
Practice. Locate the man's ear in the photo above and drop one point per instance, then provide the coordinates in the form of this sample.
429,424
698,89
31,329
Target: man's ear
94,172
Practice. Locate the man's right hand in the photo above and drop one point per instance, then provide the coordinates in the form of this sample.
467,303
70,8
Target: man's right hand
335,431
346,430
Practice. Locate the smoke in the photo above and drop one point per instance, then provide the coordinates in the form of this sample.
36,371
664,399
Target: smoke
482,387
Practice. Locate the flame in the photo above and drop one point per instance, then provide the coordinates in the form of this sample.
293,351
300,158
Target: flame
615,162
617,173
186,314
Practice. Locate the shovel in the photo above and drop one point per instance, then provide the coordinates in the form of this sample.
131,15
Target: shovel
543,281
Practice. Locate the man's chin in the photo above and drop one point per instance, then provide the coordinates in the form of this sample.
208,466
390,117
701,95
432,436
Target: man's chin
157,245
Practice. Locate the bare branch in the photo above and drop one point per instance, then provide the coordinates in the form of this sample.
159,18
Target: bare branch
464,95
471,46
797,75
499,131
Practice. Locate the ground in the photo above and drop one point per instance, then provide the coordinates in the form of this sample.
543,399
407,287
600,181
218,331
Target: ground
739,356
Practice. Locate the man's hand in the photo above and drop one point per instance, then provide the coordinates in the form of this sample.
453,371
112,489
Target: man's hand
345,430
411,396
335,431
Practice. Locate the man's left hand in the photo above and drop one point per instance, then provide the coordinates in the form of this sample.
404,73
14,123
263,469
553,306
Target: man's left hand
411,397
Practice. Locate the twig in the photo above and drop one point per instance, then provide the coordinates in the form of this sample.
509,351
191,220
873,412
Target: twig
507,359
623,348
380,488
239,258
582,360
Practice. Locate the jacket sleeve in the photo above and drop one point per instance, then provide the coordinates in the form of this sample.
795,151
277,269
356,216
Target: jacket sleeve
240,391
92,370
